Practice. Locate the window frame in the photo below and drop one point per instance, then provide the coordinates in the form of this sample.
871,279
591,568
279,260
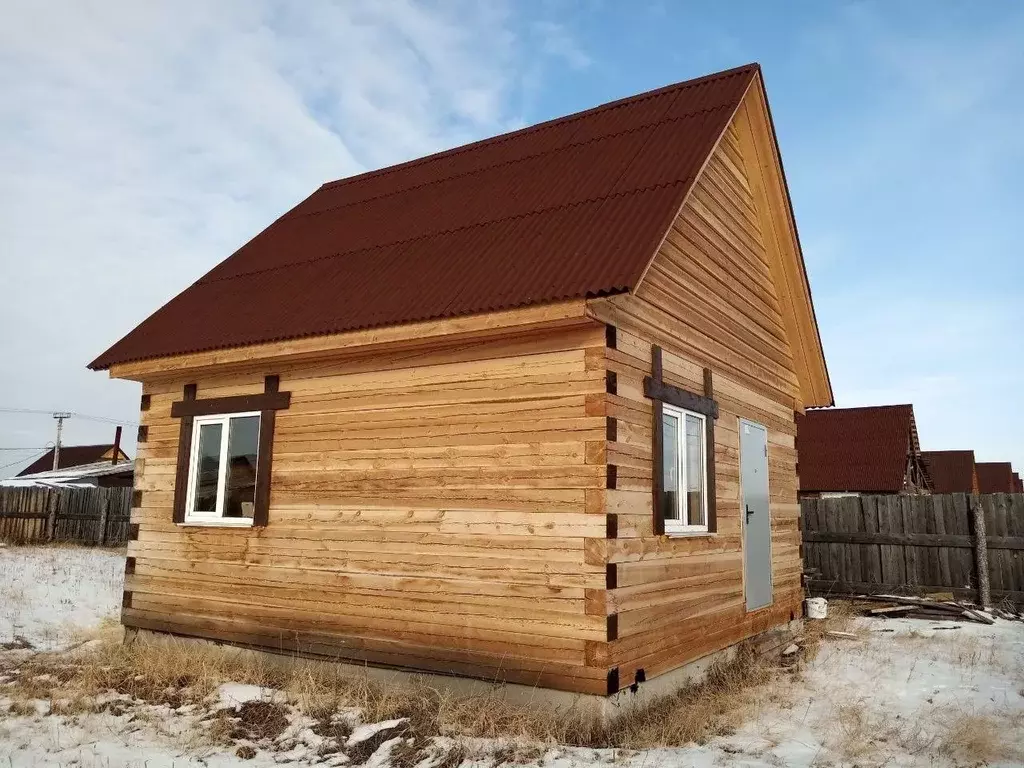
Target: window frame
681,526
217,518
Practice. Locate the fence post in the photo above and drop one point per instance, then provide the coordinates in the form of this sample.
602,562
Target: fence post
976,521
53,501
101,535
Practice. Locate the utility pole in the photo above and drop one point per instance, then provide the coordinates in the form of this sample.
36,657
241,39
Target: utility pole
59,416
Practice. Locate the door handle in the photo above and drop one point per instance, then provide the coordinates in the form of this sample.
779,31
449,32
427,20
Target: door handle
749,512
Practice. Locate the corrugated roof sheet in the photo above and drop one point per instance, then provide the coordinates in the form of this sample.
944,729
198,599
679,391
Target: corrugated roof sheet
995,477
950,471
855,449
570,208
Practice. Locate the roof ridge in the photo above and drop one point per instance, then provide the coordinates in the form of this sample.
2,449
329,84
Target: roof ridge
565,206
502,137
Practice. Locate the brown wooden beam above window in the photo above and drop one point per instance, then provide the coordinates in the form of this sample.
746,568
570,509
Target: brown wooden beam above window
680,398
265,401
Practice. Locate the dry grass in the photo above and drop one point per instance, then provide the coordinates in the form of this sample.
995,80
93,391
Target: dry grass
187,675
717,705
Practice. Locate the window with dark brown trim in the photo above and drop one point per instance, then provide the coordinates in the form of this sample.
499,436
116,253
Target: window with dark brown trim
683,480
224,456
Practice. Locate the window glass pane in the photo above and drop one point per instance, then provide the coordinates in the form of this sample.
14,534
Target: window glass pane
670,466
207,468
695,470
240,483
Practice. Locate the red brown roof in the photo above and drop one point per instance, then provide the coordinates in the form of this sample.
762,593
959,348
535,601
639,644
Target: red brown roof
995,477
71,456
950,471
1018,483
570,208
861,450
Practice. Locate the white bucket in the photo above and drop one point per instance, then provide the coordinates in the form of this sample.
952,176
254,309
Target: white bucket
816,607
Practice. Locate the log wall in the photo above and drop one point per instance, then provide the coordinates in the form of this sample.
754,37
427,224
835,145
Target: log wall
428,510
709,301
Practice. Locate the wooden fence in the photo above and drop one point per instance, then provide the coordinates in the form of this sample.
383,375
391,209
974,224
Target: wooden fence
917,544
81,515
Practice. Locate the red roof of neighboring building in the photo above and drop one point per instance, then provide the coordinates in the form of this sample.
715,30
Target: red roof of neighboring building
855,449
950,471
570,208
1018,483
995,477
71,456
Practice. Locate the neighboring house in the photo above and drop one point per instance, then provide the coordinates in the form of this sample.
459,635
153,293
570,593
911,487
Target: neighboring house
951,471
102,474
996,477
521,410
75,456
853,451
1018,483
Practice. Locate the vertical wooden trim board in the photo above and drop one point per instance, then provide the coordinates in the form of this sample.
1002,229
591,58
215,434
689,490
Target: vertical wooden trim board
184,452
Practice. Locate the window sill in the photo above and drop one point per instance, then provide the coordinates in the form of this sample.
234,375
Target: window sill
690,534
224,522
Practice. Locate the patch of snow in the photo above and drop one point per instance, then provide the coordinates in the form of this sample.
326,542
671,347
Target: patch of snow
369,730
48,595
234,695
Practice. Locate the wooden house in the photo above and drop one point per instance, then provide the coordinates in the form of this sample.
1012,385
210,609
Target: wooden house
522,410
951,471
77,456
854,451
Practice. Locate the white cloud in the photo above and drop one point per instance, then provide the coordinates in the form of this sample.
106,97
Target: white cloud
141,143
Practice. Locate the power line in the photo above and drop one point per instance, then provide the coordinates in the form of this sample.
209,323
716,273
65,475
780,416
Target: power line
32,448
19,461
74,415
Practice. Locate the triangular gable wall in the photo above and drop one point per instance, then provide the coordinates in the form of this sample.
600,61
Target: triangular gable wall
731,267
712,276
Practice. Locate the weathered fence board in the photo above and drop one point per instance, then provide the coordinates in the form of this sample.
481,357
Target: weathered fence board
82,515
864,544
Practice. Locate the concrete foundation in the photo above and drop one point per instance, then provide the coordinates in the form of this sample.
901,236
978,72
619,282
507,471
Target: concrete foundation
605,707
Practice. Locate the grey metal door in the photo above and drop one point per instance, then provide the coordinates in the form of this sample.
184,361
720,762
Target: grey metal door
757,525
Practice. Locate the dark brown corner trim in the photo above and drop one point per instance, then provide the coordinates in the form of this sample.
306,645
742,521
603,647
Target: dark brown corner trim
613,627
129,566
144,403
611,576
612,429
136,498
612,527
610,337
611,383
613,680
612,477
143,434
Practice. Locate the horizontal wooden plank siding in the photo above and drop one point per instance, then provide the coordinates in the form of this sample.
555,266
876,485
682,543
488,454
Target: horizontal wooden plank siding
709,302
428,509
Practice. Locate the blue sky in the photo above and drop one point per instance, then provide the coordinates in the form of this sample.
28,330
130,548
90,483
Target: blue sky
142,143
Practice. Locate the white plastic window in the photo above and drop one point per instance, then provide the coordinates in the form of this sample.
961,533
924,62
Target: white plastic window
222,469
684,471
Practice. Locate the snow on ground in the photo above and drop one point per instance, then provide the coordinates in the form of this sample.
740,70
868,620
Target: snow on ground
905,693
49,594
